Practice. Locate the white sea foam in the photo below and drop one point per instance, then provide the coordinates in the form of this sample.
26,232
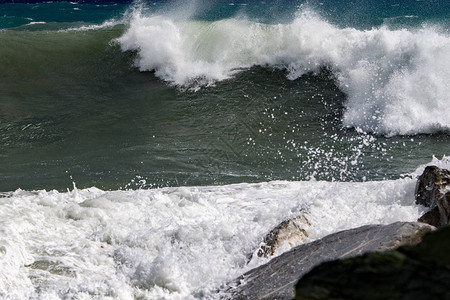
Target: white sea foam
106,24
34,23
396,80
170,243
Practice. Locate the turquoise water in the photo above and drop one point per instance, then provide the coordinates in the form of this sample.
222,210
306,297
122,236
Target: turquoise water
78,105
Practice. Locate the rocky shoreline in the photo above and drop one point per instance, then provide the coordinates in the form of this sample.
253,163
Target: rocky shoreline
409,272
370,262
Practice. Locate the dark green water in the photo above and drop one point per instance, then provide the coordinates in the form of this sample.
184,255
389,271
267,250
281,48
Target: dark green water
74,107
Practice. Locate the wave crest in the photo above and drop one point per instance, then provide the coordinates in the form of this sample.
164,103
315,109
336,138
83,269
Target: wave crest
395,80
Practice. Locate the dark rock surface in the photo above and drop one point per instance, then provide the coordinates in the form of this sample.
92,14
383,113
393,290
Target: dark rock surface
432,217
276,279
433,190
414,272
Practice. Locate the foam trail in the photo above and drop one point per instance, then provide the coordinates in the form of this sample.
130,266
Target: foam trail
396,80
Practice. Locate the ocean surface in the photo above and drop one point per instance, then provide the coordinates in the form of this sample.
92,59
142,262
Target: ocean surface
147,147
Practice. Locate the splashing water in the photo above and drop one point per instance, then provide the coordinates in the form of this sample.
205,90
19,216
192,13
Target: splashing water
395,80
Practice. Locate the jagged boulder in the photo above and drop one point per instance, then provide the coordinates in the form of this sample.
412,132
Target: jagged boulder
276,279
433,190
290,232
411,272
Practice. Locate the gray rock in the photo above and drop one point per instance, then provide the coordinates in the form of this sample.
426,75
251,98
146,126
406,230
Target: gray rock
290,232
276,279
433,190
409,272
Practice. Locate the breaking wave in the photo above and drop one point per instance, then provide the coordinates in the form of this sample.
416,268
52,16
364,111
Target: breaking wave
396,81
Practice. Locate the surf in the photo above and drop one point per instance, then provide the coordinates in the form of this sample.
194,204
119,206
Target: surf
395,80
177,242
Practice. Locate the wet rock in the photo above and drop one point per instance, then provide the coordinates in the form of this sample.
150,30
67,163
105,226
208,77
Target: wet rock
412,272
433,190
432,217
291,232
276,279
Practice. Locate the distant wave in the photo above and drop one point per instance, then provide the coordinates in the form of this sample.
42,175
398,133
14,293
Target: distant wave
396,81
